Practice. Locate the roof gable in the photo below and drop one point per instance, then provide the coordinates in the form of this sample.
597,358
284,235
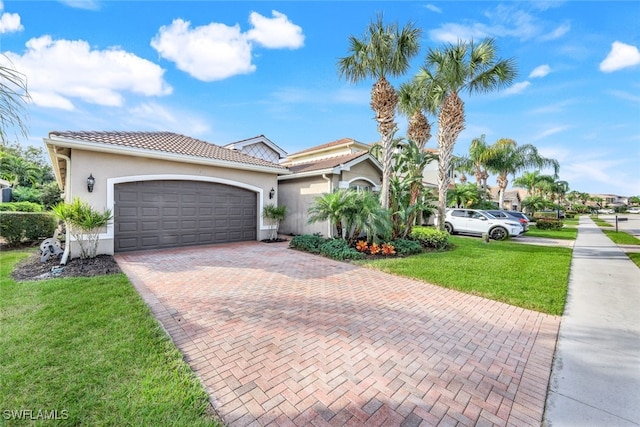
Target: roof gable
259,146
160,142
334,148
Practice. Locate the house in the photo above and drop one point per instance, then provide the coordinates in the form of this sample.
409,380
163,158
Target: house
344,163
165,189
512,197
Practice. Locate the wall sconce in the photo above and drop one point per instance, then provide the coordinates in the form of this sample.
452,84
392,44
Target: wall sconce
272,193
91,181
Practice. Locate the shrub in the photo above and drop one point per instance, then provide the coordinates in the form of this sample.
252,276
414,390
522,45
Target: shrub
307,242
406,247
430,237
84,223
340,250
549,224
26,194
32,226
21,207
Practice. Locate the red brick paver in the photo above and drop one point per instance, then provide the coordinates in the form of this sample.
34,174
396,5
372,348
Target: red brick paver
284,338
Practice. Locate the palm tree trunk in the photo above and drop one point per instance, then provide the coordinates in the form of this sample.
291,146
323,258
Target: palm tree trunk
383,102
450,124
502,185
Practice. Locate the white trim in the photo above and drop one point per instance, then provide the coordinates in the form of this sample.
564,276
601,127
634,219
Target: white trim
239,145
111,183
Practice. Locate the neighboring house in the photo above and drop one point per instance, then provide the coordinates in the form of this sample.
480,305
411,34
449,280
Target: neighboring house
512,197
168,190
5,187
609,200
319,170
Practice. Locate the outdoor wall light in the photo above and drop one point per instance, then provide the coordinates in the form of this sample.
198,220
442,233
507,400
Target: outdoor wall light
272,193
91,181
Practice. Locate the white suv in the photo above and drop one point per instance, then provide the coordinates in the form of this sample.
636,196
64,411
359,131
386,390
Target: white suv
474,221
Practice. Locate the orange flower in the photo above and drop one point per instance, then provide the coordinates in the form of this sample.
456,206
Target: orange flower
362,246
374,248
388,249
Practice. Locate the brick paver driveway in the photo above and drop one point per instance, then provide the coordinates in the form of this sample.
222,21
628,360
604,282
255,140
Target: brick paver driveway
281,337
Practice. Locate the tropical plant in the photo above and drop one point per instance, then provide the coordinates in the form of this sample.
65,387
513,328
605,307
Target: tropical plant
465,66
84,223
384,50
535,203
463,196
506,158
275,215
18,171
13,99
352,213
409,197
412,102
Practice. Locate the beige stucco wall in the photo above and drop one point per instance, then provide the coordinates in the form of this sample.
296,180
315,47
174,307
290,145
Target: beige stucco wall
299,194
111,169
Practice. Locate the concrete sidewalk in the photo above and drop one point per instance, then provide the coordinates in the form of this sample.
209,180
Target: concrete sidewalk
595,379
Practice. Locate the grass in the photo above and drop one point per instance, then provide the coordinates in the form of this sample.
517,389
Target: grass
531,277
635,257
621,237
90,349
600,222
566,233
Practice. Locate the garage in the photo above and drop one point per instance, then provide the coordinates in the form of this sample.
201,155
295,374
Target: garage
165,214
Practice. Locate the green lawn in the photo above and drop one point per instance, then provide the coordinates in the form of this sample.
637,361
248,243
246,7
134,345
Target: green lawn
621,237
89,349
567,233
600,222
532,277
635,257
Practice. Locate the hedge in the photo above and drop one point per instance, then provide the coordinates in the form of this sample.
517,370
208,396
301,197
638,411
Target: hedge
16,227
21,207
430,237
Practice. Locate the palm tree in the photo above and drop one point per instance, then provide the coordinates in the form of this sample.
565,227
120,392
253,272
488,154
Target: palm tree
507,158
384,50
13,99
410,162
332,207
463,196
465,66
411,102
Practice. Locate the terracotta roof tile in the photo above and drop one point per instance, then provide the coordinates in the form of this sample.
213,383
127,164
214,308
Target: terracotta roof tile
327,163
166,142
335,143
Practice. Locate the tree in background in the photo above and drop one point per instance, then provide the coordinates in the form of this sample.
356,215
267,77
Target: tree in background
448,71
13,99
384,50
506,158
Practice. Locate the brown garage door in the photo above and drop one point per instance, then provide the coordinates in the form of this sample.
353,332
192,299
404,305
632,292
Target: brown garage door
164,214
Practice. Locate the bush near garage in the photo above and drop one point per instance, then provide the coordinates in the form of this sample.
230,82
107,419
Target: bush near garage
549,224
307,242
339,249
16,227
430,237
405,247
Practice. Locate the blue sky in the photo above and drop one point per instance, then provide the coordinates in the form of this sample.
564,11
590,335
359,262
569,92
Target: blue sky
227,71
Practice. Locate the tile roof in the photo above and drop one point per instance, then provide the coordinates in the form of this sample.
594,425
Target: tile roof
326,163
337,143
166,142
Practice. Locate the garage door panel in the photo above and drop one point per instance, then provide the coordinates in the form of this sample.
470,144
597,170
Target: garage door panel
158,214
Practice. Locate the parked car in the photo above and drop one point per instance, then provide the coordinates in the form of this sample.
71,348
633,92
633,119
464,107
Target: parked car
478,222
634,211
606,211
512,215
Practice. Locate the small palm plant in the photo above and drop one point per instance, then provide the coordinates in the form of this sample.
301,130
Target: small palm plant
275,215
84,223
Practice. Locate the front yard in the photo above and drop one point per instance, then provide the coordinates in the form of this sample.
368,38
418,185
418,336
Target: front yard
87,351
532,277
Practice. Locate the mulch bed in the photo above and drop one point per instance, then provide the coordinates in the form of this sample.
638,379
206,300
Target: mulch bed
32,269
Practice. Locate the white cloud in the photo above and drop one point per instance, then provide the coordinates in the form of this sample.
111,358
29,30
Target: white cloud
551,131
621,56
540,71
433,8
275,33
505,20
9,22
211,52
217,51
153,116
74,70
516,88
82,4
557,33
625,95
